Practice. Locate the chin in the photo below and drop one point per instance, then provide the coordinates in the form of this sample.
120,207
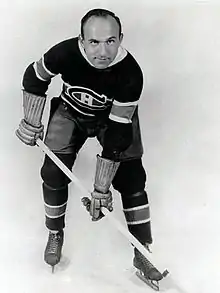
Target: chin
101,66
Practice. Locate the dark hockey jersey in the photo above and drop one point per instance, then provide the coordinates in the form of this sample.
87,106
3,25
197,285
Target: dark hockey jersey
113,91
109,94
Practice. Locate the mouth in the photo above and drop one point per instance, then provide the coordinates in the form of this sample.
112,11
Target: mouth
102,59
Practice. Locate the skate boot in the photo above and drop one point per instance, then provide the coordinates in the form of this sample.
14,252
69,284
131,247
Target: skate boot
146,270
52,253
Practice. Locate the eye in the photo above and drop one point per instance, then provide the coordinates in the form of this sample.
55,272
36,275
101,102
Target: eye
109,42
94,42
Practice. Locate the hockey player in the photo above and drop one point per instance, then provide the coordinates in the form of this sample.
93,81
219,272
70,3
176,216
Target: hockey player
102,83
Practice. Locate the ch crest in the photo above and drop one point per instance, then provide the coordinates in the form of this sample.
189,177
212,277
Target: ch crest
86,97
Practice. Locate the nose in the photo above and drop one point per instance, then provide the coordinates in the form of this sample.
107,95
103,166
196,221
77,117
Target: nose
102,49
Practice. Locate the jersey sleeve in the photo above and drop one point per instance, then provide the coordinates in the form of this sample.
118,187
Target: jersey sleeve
38,74
119,136
127,98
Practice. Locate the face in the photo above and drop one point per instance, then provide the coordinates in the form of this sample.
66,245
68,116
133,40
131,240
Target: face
101,40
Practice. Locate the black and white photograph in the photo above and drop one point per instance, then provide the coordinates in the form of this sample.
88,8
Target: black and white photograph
110,139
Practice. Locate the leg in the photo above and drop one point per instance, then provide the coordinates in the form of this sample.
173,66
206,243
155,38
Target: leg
65,139
55,191
130,182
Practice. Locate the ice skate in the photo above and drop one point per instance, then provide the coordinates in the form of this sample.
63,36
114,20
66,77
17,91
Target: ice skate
147,271
53,249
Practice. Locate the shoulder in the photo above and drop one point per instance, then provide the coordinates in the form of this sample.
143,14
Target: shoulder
64,47
131,65
128,68
129,72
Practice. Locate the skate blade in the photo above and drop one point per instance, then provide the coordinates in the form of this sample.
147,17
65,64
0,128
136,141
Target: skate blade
153,284
62,265
52,269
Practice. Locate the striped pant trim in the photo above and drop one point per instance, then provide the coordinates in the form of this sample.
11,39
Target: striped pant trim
139,222
136,208
55,207
55,217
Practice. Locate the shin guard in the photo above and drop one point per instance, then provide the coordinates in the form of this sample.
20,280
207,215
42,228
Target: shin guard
137,213
55,203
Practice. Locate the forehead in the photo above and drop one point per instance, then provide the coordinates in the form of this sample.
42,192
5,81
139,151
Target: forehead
99,28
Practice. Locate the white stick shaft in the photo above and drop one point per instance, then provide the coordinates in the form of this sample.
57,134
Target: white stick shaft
111,218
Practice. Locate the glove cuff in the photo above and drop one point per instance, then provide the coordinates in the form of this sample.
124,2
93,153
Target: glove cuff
33,108
105,172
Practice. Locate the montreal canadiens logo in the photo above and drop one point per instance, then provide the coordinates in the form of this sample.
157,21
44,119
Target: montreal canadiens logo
86,97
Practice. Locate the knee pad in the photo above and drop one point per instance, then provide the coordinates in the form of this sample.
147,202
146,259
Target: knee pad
55,196
130,177
51,173
137,213
135,201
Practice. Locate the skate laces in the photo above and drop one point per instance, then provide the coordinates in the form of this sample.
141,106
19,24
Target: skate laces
146,263
53,242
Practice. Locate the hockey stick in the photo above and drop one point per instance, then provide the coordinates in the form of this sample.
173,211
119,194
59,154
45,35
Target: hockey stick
111,218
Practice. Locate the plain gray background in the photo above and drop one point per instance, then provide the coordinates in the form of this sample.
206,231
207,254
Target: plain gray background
177,45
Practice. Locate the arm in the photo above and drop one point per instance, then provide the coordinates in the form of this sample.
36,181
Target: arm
118,138
36,80
118,135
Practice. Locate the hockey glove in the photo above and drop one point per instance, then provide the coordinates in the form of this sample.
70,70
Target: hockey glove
102,196
30,127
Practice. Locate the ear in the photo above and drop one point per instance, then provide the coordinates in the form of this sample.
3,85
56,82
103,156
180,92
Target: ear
121,37
81,40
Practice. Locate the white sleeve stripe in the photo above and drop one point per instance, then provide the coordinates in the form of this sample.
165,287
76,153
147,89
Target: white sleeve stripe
37,74
125,112
116,103
45,68
119,119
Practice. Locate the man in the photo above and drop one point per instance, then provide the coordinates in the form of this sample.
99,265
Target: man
102,84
